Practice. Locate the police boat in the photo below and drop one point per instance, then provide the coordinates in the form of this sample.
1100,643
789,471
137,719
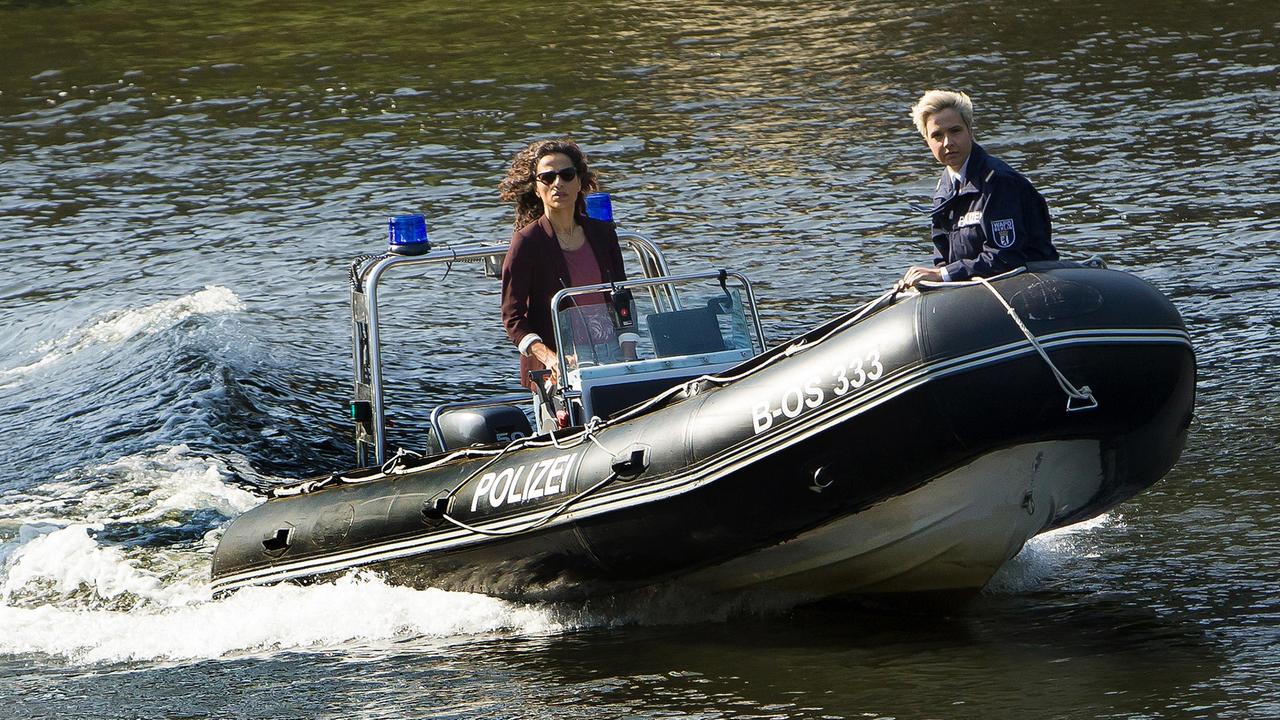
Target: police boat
912,444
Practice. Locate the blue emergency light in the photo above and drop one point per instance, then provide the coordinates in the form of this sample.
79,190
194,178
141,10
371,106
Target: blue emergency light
599,207
407,235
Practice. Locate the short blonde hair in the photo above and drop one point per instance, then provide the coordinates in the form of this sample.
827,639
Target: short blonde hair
935,101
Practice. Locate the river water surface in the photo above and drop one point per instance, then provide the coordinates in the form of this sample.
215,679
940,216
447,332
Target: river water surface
182,186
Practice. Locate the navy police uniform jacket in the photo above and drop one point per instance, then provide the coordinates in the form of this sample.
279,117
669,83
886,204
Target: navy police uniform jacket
995,223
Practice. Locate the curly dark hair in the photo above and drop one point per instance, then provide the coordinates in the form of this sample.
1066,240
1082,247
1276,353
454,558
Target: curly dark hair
519,184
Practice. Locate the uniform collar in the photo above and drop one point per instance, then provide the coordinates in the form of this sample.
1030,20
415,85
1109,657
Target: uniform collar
971,173
954,176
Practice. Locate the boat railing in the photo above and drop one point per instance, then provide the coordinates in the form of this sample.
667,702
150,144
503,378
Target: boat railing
368,403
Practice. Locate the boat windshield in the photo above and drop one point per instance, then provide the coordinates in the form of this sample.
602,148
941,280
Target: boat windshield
707,316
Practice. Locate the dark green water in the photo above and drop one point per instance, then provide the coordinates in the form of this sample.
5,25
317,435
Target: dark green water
149,150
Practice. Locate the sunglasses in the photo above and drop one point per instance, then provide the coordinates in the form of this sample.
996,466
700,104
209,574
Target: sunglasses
548,177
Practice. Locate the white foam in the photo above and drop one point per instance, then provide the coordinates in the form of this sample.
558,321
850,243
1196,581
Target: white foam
53,556
286,617
1050,555
119,326
64,593
66,562
137,488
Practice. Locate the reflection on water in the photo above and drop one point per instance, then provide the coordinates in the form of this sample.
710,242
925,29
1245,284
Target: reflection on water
1091,655
149,151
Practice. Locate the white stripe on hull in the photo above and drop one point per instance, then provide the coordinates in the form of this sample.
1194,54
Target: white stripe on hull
952,533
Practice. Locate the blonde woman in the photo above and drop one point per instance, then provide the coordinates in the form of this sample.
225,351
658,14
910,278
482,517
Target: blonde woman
986,219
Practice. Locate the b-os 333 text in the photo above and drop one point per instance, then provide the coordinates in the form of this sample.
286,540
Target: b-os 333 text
863,368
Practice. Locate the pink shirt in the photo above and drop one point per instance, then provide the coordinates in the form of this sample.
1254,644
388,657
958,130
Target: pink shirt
591,316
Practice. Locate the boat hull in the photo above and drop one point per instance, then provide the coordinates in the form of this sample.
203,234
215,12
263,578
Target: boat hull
915,450
952,533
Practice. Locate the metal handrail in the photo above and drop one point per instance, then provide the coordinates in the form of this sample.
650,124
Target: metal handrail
370,272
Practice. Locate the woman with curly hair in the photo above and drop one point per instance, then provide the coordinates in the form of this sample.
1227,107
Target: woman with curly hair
556,246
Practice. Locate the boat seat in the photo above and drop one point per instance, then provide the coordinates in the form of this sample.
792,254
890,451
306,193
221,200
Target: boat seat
464,426
685,332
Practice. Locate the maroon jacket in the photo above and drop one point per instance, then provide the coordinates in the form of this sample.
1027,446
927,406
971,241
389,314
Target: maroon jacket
535,270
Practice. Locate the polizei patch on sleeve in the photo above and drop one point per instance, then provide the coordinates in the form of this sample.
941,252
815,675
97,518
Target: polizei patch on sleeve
1002,233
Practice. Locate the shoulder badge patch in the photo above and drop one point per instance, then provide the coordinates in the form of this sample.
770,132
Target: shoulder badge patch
1002,233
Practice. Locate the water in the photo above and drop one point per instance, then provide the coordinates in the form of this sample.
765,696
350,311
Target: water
182,186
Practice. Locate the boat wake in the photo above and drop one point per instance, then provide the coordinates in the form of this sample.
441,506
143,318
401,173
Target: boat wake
258,620
120,326
110,564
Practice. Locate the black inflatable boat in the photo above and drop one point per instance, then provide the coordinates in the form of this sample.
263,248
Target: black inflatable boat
914,444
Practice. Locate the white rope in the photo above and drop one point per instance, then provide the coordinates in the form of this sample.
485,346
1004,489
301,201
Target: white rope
393,463
592,427
689,387
1083,393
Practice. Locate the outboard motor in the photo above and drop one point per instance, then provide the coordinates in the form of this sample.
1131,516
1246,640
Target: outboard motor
464,426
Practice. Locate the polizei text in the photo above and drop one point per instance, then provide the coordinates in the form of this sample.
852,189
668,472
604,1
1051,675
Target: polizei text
524,483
